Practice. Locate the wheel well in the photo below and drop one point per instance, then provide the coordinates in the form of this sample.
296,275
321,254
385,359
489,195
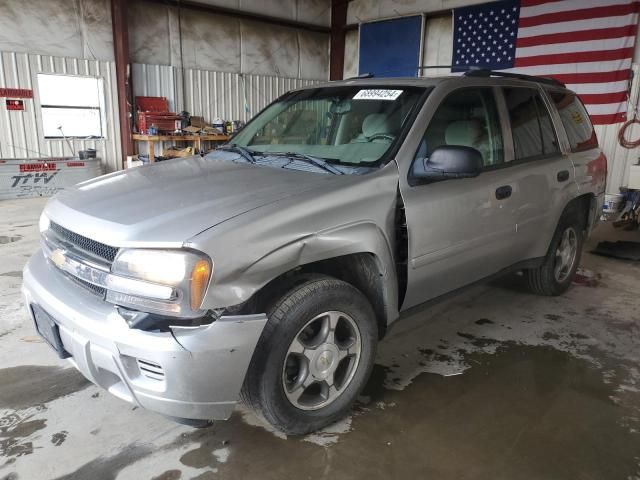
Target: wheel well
585,206
362,270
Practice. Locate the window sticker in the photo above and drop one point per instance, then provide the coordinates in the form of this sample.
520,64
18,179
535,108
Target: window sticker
377,94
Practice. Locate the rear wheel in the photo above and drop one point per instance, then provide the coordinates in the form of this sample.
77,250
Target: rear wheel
314,357
555,274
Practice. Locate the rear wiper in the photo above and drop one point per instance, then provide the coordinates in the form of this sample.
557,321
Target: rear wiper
318,162
248,155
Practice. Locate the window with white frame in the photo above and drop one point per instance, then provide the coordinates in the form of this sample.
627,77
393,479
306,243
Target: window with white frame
71,106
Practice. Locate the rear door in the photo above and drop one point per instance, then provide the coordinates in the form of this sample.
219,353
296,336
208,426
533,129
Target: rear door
543,176
588,160
460,230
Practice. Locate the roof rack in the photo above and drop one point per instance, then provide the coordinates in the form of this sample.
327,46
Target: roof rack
481,72
362,75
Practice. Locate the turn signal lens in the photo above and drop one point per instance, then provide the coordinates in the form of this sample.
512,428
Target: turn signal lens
199,280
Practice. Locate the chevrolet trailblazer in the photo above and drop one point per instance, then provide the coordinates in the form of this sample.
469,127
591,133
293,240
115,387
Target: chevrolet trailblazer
268,269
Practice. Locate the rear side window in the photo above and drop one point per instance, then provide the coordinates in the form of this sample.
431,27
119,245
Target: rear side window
576,121
531,127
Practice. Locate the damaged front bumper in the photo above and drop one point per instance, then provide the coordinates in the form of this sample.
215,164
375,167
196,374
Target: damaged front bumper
191,373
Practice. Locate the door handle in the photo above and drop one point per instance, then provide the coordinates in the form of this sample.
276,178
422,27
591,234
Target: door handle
563,175
503,192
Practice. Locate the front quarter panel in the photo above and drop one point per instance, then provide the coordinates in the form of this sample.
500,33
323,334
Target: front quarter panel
352,214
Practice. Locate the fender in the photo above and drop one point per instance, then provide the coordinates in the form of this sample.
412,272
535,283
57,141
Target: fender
357,237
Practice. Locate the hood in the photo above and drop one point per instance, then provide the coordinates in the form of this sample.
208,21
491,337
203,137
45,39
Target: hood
168,202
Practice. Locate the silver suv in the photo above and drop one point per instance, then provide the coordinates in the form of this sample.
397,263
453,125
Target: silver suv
269,269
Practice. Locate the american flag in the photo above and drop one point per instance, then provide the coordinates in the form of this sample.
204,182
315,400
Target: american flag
586,44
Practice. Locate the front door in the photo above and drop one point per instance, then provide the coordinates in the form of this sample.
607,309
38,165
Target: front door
460,230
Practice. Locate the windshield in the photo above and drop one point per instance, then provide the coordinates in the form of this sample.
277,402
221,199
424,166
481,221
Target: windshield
342,125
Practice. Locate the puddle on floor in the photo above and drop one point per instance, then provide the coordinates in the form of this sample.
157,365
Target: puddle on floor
523,412
30,385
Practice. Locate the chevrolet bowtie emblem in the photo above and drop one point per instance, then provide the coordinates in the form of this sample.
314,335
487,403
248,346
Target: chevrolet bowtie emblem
58,258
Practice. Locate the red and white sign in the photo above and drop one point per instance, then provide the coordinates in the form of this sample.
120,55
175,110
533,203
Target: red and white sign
15,105
37,167
16,92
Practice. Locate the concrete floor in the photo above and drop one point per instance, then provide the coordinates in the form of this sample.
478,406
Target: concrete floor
495,383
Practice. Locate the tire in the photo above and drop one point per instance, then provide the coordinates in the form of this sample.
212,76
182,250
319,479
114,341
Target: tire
291,318
544,279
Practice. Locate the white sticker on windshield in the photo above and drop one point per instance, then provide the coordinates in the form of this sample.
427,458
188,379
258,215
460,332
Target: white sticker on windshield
377,94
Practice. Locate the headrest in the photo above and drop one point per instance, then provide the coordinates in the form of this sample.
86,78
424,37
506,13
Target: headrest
462,132
375,123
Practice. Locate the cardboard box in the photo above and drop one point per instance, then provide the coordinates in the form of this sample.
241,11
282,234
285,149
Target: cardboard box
174,152
198,122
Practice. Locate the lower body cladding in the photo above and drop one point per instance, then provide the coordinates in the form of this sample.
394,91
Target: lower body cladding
190,373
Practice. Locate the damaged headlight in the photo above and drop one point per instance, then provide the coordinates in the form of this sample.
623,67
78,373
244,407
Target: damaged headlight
167,282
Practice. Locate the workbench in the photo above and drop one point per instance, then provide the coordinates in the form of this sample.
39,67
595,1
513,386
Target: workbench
196,139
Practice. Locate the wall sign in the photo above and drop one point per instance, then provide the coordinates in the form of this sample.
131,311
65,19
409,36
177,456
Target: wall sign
391,48
16,92
37,167
15,105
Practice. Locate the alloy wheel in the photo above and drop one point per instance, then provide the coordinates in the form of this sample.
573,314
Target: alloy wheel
566,254
321,360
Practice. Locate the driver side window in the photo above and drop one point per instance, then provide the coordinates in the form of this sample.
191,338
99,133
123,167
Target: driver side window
467,118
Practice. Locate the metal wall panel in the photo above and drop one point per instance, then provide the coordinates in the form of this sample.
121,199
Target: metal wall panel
211,94
437,45
619,158
21,132
221,43
64,28
372,10
230,96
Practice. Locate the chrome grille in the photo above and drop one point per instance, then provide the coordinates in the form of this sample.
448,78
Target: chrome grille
84,244
95,289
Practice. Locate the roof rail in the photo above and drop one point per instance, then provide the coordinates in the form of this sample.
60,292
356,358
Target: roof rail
520,76
362,75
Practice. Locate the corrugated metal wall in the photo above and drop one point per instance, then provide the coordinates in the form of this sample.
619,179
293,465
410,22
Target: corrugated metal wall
208,94
21,132
211,94
619,158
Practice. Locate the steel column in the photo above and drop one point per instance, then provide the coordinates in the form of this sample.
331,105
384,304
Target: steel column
338,33
123,73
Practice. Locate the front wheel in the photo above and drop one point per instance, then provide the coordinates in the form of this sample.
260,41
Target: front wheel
559,266
314,357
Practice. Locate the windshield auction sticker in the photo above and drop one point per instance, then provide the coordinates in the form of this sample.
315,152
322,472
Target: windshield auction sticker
377,94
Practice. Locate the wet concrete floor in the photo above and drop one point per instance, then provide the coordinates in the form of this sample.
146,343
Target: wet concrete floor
495,383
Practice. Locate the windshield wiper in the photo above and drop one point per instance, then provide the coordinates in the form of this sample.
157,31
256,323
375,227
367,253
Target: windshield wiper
318,162
248,155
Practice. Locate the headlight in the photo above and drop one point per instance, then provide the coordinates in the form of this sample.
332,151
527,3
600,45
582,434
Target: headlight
174,282
44,222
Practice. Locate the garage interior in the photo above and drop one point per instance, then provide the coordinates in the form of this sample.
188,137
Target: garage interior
493,382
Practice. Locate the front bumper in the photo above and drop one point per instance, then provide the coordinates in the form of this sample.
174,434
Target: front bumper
193,373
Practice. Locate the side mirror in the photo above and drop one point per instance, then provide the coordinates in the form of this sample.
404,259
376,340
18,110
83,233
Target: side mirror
449,161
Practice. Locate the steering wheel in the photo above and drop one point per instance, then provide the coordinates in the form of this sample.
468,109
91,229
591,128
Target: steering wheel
384,136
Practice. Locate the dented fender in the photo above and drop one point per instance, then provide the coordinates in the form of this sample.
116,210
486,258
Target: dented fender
251,250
